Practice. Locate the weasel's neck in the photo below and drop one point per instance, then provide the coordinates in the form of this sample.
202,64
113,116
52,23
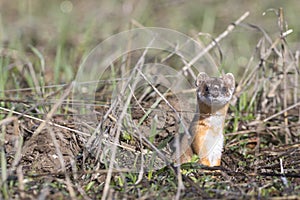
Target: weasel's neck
209,119
205,111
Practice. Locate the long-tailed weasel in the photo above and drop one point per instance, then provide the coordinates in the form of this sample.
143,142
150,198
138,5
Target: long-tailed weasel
206,129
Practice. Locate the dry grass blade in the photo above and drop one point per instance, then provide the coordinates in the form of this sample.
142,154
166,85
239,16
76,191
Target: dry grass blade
40,120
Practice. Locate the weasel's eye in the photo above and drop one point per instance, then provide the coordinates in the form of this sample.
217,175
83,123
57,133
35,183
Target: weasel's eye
224,89
206,89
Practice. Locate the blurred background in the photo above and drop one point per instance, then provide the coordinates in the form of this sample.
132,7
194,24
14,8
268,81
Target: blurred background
64,31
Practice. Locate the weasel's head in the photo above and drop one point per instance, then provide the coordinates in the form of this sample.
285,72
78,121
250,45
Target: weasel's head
213,91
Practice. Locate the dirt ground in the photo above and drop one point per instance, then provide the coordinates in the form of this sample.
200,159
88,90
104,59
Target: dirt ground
45,160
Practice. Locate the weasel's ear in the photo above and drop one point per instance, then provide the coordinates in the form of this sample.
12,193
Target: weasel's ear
229,78
202,77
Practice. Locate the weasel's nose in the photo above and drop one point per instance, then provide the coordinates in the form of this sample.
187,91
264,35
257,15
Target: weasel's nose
215,91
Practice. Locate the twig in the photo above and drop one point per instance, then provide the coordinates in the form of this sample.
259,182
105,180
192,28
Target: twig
217,40
283,55
21,182
281,112
296,80
62,162
261,129
7,120
18,154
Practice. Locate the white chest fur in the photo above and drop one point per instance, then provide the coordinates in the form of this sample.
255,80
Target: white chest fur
214,139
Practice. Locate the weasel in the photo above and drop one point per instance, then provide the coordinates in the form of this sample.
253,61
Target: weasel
206,129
